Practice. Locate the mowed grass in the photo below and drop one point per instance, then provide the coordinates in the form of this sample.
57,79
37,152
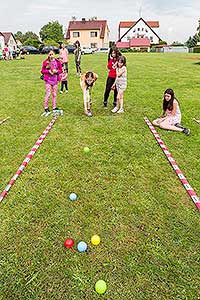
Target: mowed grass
127,191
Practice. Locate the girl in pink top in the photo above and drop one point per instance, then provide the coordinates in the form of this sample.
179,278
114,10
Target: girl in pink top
64,56
51,69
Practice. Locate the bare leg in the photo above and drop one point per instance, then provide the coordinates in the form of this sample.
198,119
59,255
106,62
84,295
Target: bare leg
166,125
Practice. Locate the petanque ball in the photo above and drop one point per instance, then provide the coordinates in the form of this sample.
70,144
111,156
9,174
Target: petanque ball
72,196
95,240
100,287
82,246
86,149
69,243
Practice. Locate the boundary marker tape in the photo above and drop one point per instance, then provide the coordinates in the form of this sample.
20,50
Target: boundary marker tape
174,165
198,121
4,120
28,158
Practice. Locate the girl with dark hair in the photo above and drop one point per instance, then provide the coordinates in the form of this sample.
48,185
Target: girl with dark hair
112,65
51,69
120,84
87,81
171,116
77,57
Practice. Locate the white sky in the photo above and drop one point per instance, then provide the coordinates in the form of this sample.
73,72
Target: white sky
178,18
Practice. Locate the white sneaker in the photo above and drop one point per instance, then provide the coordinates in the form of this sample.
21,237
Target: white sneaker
66,91
115,109
61,92
120,111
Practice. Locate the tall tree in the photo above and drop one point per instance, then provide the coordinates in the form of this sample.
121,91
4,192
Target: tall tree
52,31
192,41
19,36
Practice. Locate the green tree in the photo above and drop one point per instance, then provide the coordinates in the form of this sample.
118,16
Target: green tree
31,42
52,31
30,35
19,36
50,43
192,41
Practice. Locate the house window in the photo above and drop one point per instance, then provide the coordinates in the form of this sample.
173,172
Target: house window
93,45
128,38
146,30
142,29
76,34
151,39
138,29
133,30
93,33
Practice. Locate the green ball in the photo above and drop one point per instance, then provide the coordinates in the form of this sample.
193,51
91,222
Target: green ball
100,287
86,149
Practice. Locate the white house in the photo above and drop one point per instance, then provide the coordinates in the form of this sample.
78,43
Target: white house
139,29
9,40
2,42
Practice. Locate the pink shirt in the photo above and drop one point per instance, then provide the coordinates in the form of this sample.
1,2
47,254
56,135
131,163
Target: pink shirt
64,55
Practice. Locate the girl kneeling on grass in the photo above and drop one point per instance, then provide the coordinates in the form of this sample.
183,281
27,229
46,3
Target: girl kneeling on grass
86,81
171,117
120,84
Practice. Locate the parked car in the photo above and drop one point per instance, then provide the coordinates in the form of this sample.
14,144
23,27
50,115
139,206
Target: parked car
103,50
70,48
87,50
29,50
46,49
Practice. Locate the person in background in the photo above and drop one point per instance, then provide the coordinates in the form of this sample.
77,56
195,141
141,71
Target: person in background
77,57
64,83
120,84
112,65
63,55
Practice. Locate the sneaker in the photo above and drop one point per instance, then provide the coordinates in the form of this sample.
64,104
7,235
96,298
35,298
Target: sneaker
57,111
115,109
46,113
61,92
186,131
66,91
88,113
120,111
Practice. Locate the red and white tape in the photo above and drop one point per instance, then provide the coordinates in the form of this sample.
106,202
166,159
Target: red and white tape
28,158
198,121
174,165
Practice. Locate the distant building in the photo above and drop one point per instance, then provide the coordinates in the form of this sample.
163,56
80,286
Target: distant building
2,41
9,40
94,33
130,31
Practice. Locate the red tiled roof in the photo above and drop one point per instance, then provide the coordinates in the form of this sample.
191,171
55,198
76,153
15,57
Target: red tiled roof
87,25
128,24
139,42
123,45
134,42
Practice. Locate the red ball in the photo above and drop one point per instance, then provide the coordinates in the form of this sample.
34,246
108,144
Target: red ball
69,243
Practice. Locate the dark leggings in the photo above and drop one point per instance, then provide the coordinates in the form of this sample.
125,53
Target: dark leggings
109,84
78,66
64,84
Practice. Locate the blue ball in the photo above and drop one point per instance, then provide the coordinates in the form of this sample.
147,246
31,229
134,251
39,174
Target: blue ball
82,247
72,196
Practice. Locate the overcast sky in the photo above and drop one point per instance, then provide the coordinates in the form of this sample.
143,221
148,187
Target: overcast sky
178,18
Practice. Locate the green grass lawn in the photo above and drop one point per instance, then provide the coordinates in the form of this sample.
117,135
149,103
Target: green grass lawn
127,191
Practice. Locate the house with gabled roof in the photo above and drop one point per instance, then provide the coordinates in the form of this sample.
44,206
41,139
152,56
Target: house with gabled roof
139,29
92,33
9,40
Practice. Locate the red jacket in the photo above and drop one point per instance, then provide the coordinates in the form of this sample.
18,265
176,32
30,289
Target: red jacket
112,68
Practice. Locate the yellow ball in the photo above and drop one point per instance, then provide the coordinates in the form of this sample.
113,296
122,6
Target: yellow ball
95,240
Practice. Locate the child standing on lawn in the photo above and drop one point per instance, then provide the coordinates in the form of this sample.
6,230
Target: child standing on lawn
51,69
87,81
64,82
112,65
120,84
171,116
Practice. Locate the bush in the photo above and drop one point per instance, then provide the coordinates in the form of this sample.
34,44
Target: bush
196,49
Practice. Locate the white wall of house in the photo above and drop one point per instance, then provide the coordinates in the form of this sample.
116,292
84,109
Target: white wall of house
2,44
140,30
11,43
